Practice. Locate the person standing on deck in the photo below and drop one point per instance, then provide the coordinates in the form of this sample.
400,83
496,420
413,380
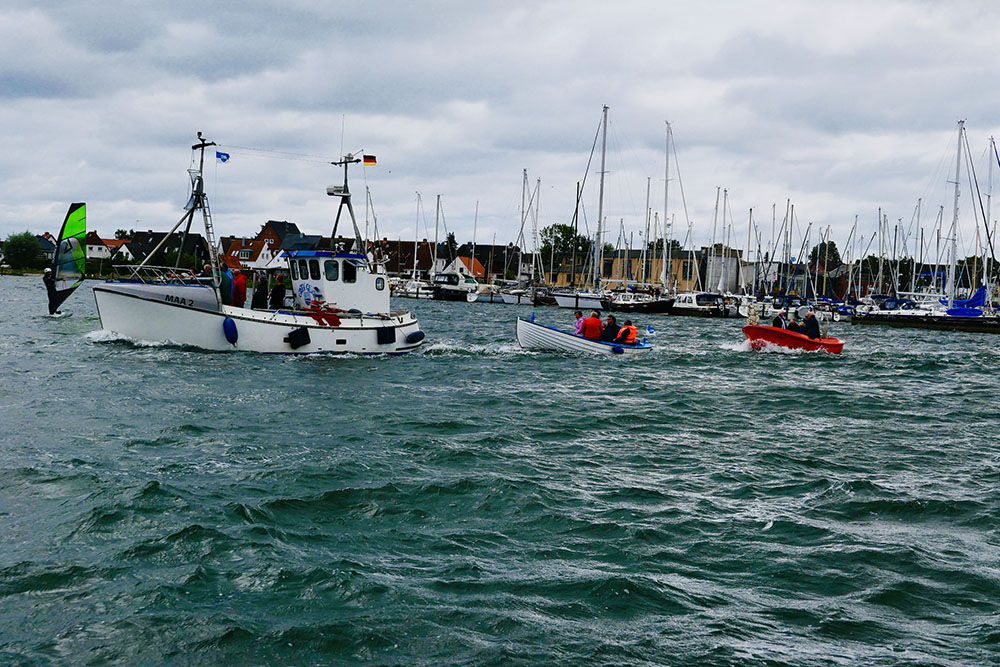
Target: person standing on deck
239,288
277,301
226,287
259,301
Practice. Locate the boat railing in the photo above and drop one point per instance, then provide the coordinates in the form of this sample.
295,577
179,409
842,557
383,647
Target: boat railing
160,275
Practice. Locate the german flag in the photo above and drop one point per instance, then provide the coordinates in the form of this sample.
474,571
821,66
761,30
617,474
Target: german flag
369,160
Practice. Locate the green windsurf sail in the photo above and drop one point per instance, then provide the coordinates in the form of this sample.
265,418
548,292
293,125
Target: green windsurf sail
66,272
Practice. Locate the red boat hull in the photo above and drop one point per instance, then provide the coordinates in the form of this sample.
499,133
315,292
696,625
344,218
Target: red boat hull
761,336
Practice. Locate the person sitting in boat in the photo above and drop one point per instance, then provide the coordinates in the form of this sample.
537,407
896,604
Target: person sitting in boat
810,325
627,334
792,325
579,322
277,300
592,327
779,320
611,329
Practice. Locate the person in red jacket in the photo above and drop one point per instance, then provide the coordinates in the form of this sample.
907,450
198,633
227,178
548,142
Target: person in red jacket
239,288
592,327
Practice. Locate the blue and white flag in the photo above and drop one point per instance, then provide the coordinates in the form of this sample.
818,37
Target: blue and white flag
222,157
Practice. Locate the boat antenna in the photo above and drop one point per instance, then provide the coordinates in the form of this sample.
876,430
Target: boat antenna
344,193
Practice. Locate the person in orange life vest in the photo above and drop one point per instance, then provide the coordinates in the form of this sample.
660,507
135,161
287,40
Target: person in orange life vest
627,334
239,288
592,327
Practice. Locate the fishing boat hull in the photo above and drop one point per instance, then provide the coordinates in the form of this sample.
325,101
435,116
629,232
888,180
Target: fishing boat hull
479,297
761,336
191,315
534,336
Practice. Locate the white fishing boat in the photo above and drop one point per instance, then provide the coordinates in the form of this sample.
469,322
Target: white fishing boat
701,304
534,336
487,293
341,299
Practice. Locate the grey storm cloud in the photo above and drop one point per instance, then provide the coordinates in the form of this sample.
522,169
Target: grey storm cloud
842,107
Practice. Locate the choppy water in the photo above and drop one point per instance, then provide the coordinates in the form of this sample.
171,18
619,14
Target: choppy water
477,504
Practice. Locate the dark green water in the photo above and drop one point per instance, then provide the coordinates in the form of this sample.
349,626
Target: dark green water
476,504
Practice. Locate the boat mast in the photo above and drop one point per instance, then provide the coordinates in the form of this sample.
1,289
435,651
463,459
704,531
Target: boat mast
475,224
954,220
665,253
345,200
416,237
434,251
599,249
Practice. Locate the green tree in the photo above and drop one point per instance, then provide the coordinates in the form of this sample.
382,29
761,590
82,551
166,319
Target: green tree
562,239
187,261
122,234
21,250
826,253
452,246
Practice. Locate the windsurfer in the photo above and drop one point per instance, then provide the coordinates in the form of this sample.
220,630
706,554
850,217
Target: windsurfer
50,287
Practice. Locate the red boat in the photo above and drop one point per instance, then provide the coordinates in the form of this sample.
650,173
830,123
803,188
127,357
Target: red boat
760,336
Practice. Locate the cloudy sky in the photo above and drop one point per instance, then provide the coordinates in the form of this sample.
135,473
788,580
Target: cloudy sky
842,107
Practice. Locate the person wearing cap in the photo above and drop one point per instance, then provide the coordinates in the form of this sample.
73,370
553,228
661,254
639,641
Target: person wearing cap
779,321
50,288
810,325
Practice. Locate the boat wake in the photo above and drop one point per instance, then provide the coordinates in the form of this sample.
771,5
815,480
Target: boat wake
744,346
455,348
105,336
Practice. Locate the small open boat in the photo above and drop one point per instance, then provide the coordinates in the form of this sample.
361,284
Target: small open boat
534,336
760,336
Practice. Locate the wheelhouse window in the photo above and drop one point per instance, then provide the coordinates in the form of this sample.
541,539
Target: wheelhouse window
380,283
314,269
295,272
332,268
304,269
350,272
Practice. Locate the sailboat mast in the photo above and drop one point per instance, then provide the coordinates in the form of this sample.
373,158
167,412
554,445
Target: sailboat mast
664,256
954,220
416,240
599,249
434,250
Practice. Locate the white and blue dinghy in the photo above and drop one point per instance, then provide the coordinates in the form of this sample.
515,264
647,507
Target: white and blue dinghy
534,336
